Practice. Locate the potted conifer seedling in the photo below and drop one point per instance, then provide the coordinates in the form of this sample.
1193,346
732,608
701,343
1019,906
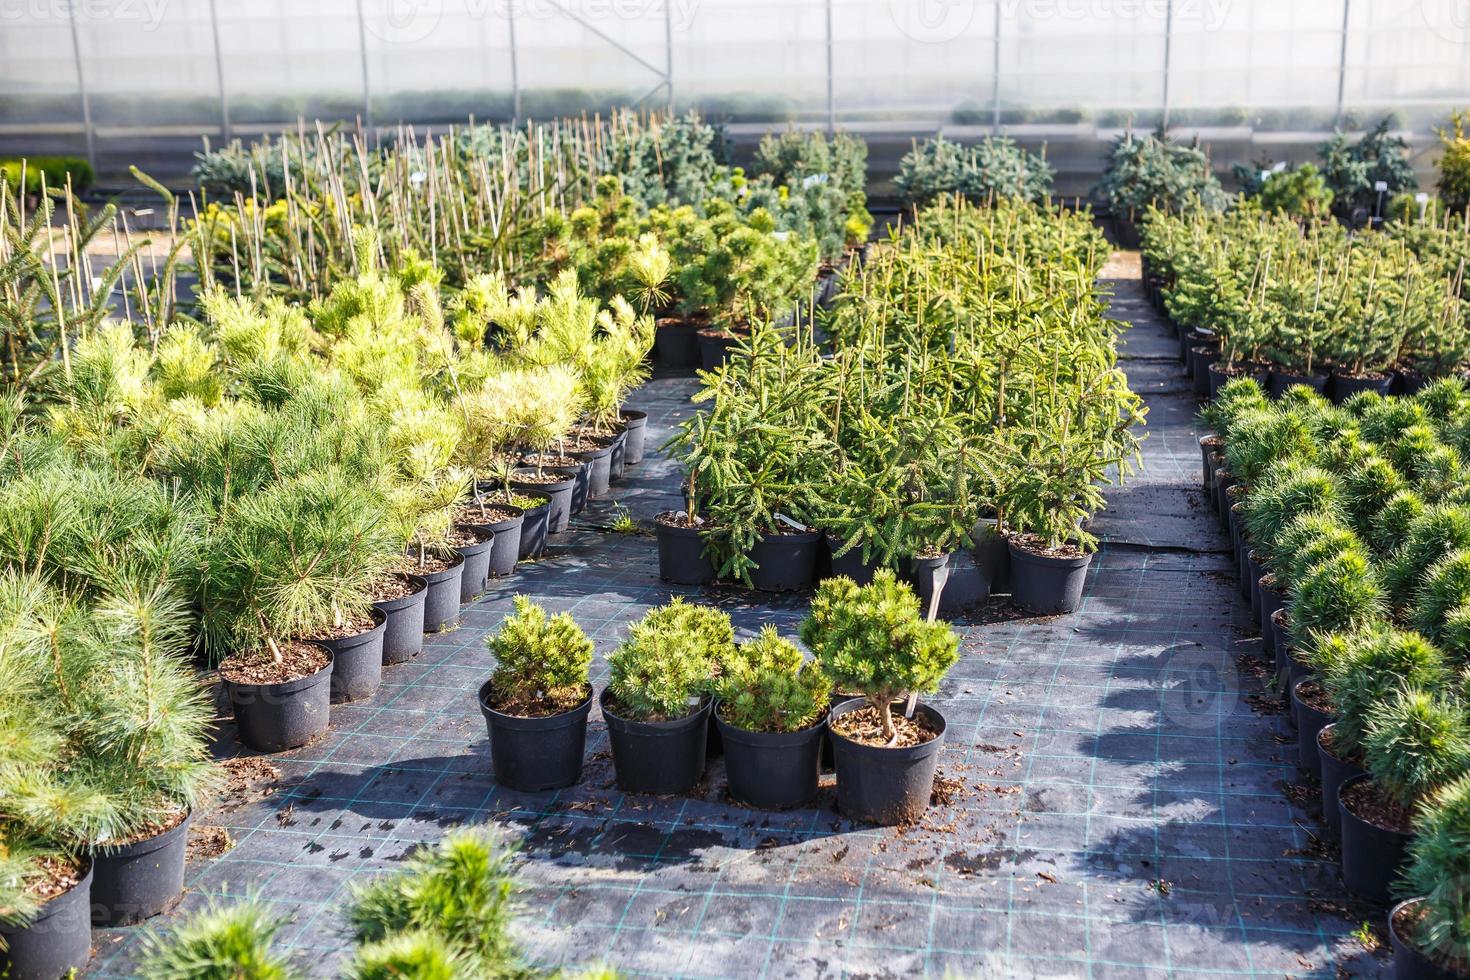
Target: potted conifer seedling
290,562
656,704
770,714
537,700
874,639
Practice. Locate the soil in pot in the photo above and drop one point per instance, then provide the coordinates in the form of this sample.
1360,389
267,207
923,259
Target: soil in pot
142,876
1375,838
59,939
1314,710
1047,581
280,706
1412,957
1335,771
556,486
676,343
880,783
443,573
1345,386
772,770
657,757
401,599
681,556
534,523
502,520
357,655
538,745
1282,380
785,562
474,545
992,553
637,423
851,564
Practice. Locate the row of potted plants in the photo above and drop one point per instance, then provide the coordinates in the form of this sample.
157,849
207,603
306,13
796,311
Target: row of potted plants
964,413
1257,294
1353,540
680,675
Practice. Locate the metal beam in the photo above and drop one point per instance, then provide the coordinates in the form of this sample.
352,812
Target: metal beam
515,66
219,68
1347,12
1168,54
367,88
831,87
995,72
76,50
669,51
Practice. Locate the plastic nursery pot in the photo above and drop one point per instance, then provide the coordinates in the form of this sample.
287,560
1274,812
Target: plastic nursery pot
139,880
992,553
556,486
403,636
277,717
1281,643
1411,961
1047,585
1200,358
581,470
601,462
476,561
772,770
619,458
506,545
1208,446
1335,772
714,348
1282,380
56,942
1306,695
880,785
1371,855
1344,386
534,524
681,556
965,587
676,343
784,562
441,600
637,429
1271,600
851,564
357,660
535,754
1407,381
657,757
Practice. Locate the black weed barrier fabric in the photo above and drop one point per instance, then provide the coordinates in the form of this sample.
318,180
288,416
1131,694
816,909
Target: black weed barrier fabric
1117,795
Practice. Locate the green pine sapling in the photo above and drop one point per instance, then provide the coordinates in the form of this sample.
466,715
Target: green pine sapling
541,663
769,687
669,661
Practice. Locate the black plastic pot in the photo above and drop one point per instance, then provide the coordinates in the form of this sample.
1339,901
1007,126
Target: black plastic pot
1200,359
965,587
1282,380
772,771
1342,387
851,564
992,554
881,785
1371,855
676,343
534,523
559,494
403,636
619,457
505,547
601,475
1409,382
56,942
1410,961
1335,772
785,562
637,423
657,757
681,557
441,604
535,754
277,717
714,348
1271,600
1045,585
1281,645
1207,447
581,489
139,880
357,661
1309,721
476,562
